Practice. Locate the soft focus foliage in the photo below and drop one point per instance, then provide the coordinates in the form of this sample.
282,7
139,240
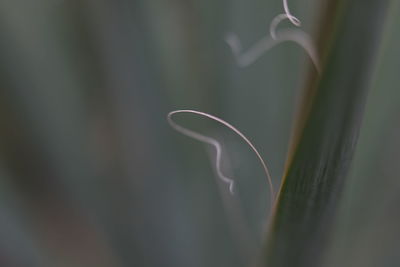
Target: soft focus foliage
92,175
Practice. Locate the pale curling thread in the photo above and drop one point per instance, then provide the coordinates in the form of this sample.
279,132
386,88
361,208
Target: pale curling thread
255,52
217,146
292,18
245,59
275,22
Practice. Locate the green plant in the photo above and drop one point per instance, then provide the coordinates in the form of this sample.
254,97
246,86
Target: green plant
320,161
91,174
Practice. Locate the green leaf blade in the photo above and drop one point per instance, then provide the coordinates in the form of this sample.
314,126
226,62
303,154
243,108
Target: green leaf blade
314,179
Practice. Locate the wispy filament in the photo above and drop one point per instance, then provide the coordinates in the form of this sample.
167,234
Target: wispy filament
275,22
300,37
213,142
248,57
292,18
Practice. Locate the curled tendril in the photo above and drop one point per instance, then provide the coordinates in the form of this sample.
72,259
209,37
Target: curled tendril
274,24
244,59
292,18
248,57
217,145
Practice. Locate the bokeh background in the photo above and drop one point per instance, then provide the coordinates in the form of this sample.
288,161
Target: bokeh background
91,174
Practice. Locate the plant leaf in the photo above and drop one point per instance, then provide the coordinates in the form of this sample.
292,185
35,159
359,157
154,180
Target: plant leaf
313,182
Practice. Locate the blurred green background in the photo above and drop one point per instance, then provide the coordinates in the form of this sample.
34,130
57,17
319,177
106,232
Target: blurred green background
91,174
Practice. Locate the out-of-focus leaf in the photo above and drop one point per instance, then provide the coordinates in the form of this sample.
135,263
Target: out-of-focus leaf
368,215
